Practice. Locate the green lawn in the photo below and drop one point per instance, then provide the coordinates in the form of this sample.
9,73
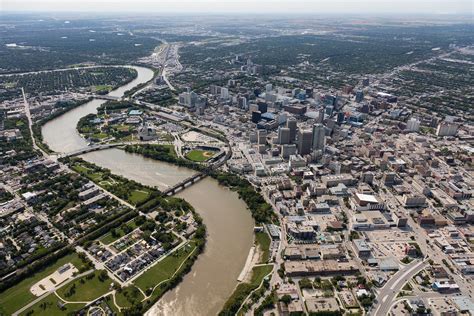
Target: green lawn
85,289
127,296
103,88
258,273
80,169
199,155
108,238
138,196
49,307
19,295
122,128
99,135
164,269
263,242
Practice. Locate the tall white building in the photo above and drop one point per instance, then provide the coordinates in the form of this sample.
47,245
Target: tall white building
224,93
446,129
413,125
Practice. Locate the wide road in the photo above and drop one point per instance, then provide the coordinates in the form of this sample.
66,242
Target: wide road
388,293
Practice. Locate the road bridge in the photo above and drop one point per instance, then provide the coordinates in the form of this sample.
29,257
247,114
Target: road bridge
198,176
106,97
88,149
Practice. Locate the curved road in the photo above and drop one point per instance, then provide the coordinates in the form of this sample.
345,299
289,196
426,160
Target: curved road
391,289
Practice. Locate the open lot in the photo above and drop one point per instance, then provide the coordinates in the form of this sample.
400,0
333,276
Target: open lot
53,280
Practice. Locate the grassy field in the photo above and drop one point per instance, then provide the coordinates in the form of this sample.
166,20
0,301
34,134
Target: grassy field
127,296
138,196
164,269
49,307
102,88
199,155
19,295
108,238
263,242
99,135
85,289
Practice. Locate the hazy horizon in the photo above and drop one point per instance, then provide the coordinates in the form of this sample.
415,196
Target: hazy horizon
457,7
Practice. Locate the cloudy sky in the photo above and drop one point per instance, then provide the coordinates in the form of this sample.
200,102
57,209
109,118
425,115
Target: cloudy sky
246,6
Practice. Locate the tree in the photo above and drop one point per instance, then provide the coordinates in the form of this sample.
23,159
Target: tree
286,299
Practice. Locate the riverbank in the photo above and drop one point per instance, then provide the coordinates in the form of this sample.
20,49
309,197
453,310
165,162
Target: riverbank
37,126
215,272
252,273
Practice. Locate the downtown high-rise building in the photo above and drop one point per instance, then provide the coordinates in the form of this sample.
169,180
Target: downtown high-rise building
305,139
318,140
291,123
283,135
413,125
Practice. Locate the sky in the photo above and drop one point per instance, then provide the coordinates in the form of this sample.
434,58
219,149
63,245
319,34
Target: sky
245,6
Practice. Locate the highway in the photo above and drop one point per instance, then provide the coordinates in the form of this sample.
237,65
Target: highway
391,289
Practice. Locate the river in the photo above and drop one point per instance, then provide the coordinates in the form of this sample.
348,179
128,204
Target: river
229,224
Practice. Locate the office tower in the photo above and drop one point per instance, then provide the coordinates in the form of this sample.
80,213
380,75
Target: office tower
320,115
288,150
242,101
340,117
253,138
215,90
262,107
446,129
318,136
291,123
224,93
413,125
359,96
256,116
283,135
365,82
262,137
329,110
305,139
268,87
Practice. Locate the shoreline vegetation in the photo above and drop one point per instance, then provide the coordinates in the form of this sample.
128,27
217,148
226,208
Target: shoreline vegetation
155,201
65,106
261,212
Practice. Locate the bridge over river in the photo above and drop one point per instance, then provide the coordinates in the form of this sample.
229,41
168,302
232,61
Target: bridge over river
91,148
